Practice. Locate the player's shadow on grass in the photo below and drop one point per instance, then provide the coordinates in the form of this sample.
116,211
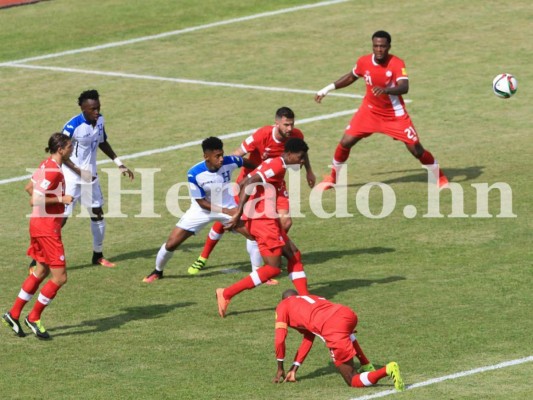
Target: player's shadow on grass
331,288
128,314
457,175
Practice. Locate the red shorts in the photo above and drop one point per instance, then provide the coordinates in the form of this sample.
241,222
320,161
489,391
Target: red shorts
336,332
47,250
365,122
268,234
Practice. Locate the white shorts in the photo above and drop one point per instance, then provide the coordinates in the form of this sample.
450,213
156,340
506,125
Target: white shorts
195,219
89,193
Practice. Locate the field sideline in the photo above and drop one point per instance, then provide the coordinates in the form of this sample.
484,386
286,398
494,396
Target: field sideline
448,298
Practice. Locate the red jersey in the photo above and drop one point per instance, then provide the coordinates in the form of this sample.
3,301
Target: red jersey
272,172
382,75
263,145
47,181
307,314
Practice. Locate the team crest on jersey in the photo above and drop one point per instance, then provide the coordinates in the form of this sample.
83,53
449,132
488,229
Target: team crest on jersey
249,139
388,73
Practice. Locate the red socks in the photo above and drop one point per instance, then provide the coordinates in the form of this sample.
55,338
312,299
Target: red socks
369,378
48,292
340,157
217,230
29,287
296,272
261,275
359,353
428,159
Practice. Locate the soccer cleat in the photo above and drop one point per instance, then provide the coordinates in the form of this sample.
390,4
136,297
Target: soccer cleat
154,276
328,182
366,368
222,302
393,370
197,266
443,182
37,328
271,282
98,259
13,323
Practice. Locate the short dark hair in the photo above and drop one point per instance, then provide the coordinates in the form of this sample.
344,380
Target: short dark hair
295,145
88,95
383,35
212,143
288,293
57,141
284,112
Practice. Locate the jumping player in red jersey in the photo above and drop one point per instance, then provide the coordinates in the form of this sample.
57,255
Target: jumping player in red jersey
267,142
259,213
48,199
335,324
382,110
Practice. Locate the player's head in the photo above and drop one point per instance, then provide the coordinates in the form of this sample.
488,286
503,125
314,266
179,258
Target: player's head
59,143
381,43
89,102
295,151
284,122
288,293
213,152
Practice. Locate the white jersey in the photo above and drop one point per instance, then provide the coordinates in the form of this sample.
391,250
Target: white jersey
85,140
213,186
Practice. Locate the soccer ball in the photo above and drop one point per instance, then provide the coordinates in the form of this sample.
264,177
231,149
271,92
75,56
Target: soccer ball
504,85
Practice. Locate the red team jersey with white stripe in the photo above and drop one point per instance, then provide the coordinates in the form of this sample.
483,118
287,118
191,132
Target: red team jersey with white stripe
48,180
382,75
307,314
263,145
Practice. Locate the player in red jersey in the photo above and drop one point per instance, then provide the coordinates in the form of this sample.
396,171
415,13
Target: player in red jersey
335,324
257,207
48,199
267,142
382,110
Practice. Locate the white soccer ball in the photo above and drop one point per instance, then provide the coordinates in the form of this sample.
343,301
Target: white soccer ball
504,85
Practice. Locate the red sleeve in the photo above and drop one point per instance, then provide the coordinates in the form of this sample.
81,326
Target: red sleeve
282,323
399,70
252,142
305,347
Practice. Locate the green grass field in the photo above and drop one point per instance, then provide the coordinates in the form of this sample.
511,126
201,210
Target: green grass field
440,296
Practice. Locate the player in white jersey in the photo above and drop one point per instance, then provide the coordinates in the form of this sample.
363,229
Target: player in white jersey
212,199
87,131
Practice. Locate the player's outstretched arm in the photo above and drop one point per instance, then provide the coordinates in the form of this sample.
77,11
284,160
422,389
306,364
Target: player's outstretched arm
342,82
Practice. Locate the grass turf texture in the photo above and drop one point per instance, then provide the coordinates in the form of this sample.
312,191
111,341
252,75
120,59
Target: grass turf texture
438,296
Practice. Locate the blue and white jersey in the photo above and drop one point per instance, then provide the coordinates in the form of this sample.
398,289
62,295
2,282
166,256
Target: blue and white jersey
85,140
213,186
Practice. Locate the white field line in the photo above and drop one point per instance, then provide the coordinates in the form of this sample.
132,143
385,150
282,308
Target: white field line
177,80
193,143
177,32
450,377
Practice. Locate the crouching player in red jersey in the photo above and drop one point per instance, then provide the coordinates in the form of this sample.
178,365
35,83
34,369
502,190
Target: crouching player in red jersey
334,323
262,222
48,199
